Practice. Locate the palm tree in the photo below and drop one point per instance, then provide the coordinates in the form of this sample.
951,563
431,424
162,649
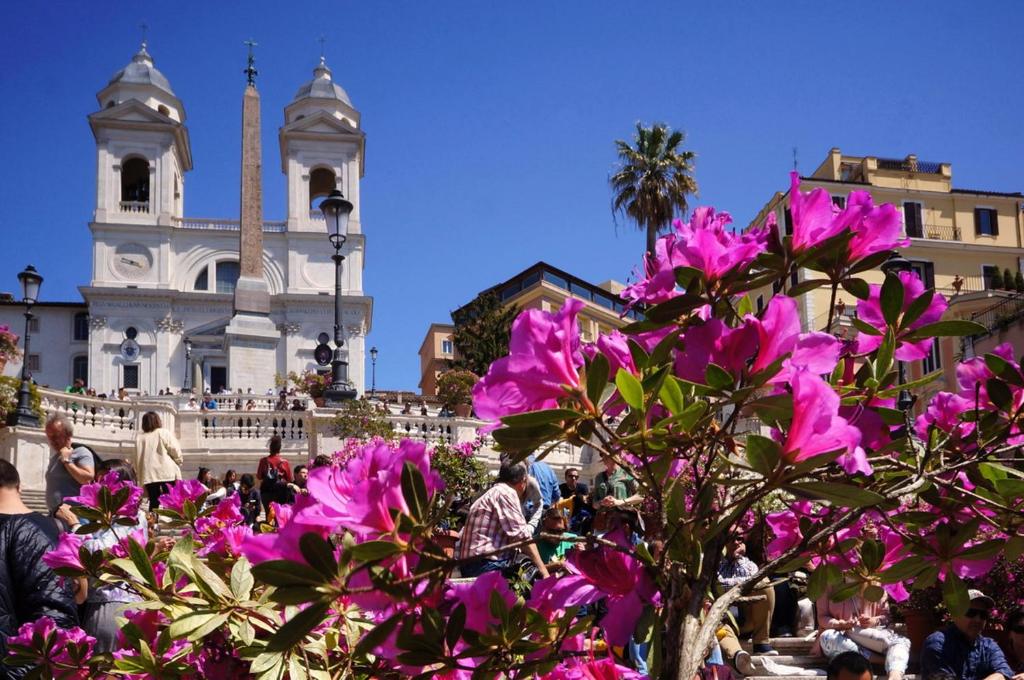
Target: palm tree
653,179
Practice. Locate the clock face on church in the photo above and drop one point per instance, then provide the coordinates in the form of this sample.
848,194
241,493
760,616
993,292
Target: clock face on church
132,260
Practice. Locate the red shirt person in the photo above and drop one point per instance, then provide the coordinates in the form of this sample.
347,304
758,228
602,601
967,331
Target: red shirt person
274,474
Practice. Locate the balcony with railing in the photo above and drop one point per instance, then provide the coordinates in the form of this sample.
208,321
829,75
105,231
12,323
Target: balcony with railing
134,207
909,164
935,232
207,224
1000,315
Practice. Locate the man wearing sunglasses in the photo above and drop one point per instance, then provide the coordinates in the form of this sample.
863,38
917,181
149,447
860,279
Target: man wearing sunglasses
961,649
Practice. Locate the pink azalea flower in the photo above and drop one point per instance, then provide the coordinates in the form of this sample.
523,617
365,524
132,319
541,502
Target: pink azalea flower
658,282
89,494
815,218
870,311
361,496
714,342
181,491
543,360
60,652
875,229
592,669
973,374
704,243
476,596
778,332
944,411
66,554
284,543
785,526
818,428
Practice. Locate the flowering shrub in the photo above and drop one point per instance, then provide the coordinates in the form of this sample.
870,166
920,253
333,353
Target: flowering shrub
455,387
359,419
8,344
353,584
464,475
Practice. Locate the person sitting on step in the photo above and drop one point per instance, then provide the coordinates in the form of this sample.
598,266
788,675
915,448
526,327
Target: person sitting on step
756,613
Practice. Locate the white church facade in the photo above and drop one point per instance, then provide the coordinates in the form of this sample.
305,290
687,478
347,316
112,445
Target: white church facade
163,285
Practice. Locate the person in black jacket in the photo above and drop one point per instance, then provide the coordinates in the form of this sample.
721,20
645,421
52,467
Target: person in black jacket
28,588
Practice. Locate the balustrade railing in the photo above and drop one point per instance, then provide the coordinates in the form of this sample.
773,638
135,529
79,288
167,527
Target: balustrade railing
134,206
261,402
250,425
999,315
935,232
427,428
207,224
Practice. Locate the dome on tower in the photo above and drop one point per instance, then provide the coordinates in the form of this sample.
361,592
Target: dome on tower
322,87
142,72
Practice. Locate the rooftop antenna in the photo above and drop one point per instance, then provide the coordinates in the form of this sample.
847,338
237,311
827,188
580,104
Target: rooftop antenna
250,70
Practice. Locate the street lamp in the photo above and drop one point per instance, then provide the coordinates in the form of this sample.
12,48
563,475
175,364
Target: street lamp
336,211
24,415
894,265
373,373
188,364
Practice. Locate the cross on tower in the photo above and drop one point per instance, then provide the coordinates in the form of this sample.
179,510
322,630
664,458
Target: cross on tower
321,40
144,27
250,70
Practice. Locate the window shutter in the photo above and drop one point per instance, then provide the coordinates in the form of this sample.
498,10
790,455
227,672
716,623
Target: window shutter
994,221
929,275
977,221
789,222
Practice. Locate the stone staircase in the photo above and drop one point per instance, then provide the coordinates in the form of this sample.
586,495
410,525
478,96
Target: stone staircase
796,652
35,499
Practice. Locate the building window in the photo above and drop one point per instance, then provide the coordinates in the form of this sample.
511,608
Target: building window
986,222
839,201
80,369
912,219
988,273
925,271
227,276
446,347
34,364
556,280
789,222
130,377
321,183
80,330
135,183
933,361
203,280
33,325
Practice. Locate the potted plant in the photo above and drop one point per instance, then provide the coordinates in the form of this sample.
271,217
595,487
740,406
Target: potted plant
465,477
923,613
455,390
312,383
8,346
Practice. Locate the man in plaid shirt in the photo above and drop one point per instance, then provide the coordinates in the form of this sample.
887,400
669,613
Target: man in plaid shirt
496,520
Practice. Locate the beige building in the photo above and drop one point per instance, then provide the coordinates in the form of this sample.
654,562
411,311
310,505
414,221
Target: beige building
958,237
540,286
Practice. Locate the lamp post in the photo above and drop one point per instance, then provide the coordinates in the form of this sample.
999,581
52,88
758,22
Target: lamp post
373,371
24,415
336,211
185,386
894,266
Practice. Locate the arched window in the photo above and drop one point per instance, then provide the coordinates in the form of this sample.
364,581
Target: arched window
164,110
227,276
321,183
135,185
203,280
80,326
80,368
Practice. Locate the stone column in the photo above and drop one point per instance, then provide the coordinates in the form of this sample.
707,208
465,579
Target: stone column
250,339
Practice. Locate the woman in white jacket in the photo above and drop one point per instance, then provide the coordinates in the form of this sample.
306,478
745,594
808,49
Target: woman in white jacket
157,458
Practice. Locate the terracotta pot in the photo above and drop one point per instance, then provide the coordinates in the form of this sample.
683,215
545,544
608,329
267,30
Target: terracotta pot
319,401
463,410
920,624
446,540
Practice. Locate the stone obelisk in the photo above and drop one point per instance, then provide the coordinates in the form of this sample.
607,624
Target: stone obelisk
250,339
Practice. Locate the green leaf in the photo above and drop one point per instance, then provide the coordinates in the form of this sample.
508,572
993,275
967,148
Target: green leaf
952,328
319,552
858,288
1000,394
630,389
874,593
552,415
690,415
1014,548
806,286
141,561
1003,369
292,632
266,662
865,327
283,573
241,579
414,490
374,550
904,569
840,494
983,550
817,583
597,378
717,377
197,624
885,354
954,593
376,636
686,275
916,308
763,453
891,299
671,396
674,308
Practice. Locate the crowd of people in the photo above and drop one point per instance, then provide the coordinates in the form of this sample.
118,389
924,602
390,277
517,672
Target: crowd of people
527,522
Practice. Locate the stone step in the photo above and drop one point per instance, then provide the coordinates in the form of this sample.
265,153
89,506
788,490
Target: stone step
787,645
35,499
801,660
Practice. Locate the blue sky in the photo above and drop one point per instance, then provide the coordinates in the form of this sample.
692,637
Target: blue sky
490,126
